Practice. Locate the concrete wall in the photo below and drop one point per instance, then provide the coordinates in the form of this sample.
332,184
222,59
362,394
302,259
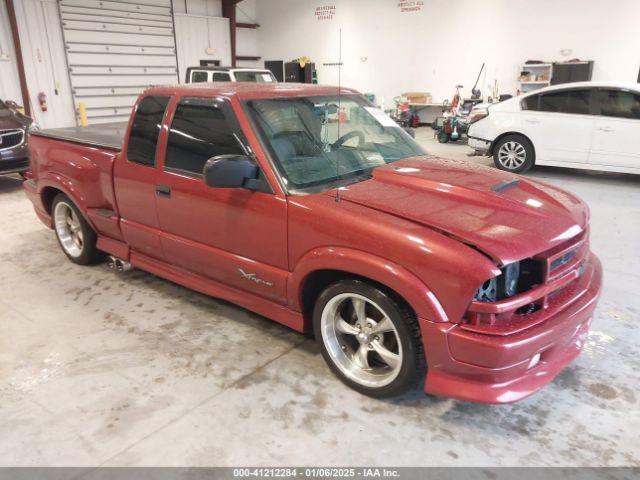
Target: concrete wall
387,51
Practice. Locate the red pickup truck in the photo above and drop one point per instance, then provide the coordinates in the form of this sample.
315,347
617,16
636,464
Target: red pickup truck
308,205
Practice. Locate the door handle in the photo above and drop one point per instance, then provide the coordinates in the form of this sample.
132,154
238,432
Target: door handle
531,120
605,129
163,190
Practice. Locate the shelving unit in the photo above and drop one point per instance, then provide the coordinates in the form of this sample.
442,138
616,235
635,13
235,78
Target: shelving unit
533,81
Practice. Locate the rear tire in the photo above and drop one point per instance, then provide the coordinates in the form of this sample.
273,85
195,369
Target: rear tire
370,340
514,153
75,236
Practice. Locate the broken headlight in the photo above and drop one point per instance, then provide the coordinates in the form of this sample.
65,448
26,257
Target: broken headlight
514,278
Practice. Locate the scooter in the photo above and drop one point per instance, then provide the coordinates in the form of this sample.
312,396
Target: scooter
455,115
452,126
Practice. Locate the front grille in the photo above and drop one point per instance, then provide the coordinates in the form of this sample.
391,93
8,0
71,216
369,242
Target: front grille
10,138
563,259
553,278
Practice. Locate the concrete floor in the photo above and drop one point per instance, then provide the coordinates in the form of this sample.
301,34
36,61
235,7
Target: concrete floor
105,369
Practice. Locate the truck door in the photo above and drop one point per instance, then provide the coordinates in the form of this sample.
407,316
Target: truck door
234,236
134,178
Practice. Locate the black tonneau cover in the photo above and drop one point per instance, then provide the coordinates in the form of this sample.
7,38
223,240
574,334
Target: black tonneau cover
103,135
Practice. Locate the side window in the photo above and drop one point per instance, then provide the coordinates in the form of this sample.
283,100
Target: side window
579,102
530,103
221,77
146,129
619,103
198,77
554,101
199,131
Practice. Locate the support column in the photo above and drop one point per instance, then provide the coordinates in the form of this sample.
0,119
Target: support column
229,11
19,62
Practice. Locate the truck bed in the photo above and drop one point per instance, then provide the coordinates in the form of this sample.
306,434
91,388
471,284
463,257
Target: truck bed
103,135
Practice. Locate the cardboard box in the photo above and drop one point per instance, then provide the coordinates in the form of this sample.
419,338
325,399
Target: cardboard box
418,97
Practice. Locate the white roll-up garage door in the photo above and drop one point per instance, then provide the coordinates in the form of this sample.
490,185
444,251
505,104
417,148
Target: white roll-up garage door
115,49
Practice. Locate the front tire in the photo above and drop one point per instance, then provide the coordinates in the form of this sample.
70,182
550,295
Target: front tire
514,153
75,236
369,339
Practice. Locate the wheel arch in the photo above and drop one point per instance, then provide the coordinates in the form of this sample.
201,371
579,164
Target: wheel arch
324,266
50,189
502,135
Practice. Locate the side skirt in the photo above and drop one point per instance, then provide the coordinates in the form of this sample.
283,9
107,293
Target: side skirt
259,305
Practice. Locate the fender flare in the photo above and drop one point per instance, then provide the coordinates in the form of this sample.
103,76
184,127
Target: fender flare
367,265
66,186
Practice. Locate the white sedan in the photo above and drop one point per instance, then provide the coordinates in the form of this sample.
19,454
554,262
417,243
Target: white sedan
591,125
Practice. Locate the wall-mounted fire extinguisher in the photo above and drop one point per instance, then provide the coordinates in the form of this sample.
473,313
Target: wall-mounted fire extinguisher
42,100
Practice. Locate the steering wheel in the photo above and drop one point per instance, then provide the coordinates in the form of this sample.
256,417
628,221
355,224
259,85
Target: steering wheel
348,136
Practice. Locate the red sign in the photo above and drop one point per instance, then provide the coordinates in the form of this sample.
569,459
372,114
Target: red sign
325,12
410,6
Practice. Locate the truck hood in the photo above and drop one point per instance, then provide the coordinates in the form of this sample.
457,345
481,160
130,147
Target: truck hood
507,216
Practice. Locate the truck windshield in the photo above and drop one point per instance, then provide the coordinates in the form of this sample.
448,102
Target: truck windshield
259,77
325,142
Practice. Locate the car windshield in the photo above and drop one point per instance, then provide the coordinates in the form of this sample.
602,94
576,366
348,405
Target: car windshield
259,77
324,142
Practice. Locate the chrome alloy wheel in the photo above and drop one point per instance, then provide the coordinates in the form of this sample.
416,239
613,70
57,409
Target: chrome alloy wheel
512,155
68,229
361,340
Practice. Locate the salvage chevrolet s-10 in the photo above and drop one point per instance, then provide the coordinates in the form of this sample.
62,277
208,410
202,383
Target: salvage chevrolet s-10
308,205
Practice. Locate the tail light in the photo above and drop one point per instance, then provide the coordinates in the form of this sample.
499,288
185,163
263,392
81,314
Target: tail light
478,113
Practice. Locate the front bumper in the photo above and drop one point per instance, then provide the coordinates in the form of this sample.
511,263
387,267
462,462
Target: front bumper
480,145
488,368
14,159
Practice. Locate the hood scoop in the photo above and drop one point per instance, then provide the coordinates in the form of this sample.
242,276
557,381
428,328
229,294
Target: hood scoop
506,185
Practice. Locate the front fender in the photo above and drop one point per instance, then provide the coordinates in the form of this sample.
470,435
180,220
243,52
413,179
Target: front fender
364,264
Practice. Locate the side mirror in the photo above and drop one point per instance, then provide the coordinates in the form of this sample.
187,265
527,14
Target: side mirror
231,171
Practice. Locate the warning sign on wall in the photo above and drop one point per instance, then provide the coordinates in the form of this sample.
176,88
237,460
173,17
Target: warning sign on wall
325,12
409,6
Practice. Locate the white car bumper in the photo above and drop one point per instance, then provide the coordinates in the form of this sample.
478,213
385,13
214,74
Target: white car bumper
480,145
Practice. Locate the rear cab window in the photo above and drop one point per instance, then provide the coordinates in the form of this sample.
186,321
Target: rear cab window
147,122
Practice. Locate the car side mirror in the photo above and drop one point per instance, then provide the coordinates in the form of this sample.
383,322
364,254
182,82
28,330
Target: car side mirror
231,171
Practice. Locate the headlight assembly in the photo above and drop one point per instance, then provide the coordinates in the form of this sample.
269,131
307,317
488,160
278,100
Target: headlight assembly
514,278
